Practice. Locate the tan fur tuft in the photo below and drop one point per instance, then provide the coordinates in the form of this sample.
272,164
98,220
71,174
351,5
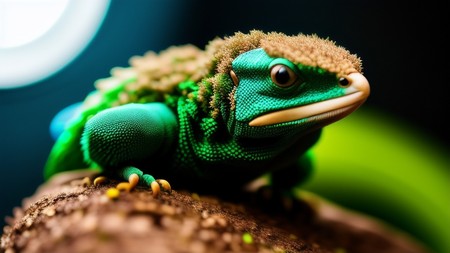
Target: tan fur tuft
312,51
162,72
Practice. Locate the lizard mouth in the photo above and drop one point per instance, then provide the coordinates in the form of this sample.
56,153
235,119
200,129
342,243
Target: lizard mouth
329,110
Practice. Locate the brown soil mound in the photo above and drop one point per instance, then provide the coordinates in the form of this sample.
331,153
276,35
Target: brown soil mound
72,216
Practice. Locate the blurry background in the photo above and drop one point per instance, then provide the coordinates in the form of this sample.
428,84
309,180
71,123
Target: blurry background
402,45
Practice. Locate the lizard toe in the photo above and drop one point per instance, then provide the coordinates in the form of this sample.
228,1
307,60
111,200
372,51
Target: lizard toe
156,189
164,185
157,186
124,186
100,180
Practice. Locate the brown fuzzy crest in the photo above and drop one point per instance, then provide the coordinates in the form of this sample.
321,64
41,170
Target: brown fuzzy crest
304,49
161,72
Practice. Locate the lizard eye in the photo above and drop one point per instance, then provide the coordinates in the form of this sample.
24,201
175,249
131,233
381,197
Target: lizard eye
234,77
283,76
344,82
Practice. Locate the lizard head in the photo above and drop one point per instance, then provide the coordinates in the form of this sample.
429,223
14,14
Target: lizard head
290,84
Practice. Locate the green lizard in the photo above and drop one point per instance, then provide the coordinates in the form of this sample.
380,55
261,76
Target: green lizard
215,119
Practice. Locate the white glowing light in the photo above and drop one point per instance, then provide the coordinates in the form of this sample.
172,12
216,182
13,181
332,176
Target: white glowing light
22,21
40,37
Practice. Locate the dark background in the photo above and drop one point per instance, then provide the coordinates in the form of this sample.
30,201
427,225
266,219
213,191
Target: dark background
402,45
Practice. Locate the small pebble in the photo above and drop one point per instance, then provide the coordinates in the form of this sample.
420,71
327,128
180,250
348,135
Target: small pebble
221,221
26,234
112,223
278,249
188,227
197,246
140,206
10,251
195,196
168,210
112,193
169,222
208,223
28,221
207,235
227,237
49,211
86,182
89,223
82,197
247,238
340,250
139,225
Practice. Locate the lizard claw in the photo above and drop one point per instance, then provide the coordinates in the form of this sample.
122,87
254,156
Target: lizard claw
124,186
133,179
158,185
156,189
99,180
165,185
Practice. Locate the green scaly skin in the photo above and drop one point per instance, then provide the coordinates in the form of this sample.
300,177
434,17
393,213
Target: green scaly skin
269,111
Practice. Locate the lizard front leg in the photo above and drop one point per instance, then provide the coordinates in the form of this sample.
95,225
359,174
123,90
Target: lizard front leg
278,193
124,138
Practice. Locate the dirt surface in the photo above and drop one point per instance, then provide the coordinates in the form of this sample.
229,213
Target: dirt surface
68,215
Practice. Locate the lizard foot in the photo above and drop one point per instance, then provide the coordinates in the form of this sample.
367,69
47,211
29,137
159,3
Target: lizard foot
136,176
287,202
157,185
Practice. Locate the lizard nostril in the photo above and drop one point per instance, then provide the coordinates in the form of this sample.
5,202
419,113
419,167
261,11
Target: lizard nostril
357,83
